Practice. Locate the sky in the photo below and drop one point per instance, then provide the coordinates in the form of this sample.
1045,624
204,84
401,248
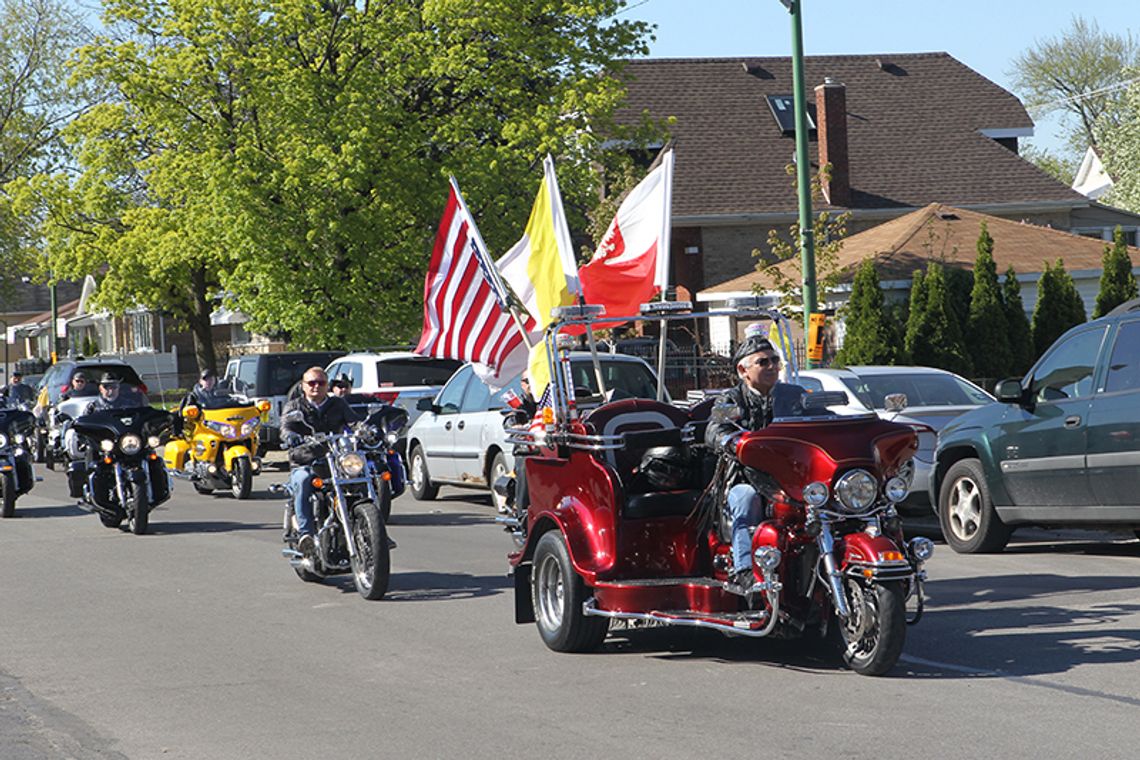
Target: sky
986,36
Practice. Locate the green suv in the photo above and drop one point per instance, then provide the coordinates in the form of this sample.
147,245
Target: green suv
1060,446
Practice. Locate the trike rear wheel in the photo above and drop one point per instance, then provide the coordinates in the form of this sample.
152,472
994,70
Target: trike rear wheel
557,593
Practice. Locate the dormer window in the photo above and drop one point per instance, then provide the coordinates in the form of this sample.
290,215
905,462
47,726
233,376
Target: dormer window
784,112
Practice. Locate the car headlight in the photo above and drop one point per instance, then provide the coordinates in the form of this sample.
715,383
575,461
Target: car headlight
249,426
391,438
857,490
106,444
815,494
896,489
153,441
3,440
130,444
351,464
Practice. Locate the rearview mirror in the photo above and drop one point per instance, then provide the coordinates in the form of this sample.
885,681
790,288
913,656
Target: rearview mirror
725,411
895,402
1008,391
425,404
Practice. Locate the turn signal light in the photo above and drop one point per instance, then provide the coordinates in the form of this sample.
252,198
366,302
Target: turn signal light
318,483
263,406
385,475
106,460
891,556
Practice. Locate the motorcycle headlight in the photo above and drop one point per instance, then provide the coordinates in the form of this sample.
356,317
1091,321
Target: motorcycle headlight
18,438
106,444
896,489
815,494
249,426
351,464
3,440
153,441
391,438
130,444
224,429
857,490
921,548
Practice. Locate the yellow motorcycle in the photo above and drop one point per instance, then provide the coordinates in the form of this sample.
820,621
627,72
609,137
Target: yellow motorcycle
220,449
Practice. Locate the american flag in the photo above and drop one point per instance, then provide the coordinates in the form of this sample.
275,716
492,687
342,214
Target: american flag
464,300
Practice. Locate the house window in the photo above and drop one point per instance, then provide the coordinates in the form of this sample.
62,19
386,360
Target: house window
142,332
1105,233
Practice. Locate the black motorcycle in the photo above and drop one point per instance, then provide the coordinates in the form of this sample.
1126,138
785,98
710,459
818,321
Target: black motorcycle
351,537
17,434
378,438
122,476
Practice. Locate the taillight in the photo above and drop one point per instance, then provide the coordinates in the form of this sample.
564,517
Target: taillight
142,387
63,388
386,397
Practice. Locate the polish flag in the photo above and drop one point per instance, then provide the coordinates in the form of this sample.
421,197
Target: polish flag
631,264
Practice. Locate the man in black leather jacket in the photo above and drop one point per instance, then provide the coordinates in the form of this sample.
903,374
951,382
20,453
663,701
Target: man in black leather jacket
314,412
752,404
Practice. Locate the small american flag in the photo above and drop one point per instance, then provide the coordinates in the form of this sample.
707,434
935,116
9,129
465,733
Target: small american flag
464,302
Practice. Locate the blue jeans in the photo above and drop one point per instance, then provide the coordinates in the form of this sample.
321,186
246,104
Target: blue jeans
746,509
301,485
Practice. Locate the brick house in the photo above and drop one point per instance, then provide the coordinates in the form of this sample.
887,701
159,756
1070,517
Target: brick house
901,132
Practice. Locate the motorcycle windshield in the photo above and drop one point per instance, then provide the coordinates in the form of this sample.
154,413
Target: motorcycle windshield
115,423
16,421
390,419
798,453
222,401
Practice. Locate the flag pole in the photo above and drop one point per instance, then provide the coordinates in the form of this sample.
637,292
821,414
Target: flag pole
503,293
663,264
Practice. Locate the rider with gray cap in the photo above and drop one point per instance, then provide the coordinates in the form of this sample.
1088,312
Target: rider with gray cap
752,404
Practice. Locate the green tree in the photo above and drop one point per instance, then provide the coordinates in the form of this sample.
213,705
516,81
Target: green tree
987,333
1020,334
1058,306
295,156
916,313
36,102
1117,283
1060,166
1119,145
867,339
1076,73
937,341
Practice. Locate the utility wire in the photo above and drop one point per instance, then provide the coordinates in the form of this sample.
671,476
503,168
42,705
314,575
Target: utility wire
1090,93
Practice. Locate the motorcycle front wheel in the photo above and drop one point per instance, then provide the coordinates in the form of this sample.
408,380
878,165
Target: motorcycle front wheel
139,509
8,484
371,567
241,478
873,635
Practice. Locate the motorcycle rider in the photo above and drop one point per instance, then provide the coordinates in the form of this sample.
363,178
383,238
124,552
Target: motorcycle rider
79,387
17,392
202,393
81,455
752,404
314,412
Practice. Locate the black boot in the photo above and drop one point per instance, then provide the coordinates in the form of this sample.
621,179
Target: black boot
76,477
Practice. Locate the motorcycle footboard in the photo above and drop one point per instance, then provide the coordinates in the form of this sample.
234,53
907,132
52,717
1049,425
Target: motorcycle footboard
693,602
753,623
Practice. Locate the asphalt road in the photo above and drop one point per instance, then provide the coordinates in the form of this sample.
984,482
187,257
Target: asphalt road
199,642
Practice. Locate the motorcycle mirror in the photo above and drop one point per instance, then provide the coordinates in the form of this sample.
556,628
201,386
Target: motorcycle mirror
895,402
725,412
293,415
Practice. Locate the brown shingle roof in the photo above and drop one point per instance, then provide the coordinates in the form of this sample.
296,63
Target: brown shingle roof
950,235
913,134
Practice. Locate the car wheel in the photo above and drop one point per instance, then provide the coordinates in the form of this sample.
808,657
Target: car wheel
969,522
422,487
498,469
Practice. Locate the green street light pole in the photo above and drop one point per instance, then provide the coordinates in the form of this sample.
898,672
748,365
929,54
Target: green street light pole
54,325
803,167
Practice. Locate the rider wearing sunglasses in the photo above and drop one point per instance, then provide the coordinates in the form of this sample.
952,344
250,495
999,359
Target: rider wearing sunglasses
319,413
752,404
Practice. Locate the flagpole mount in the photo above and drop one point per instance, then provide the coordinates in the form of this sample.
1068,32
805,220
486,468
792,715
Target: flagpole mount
665,307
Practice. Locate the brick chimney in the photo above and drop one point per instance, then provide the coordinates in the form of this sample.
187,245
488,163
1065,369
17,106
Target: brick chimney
831,115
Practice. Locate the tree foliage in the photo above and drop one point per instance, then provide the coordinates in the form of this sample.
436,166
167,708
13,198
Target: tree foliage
1058,307
936,340
987,334
1117,283
868,336
916,312
295,155
1021,353
36,102
1060,166
1119,145
1074,73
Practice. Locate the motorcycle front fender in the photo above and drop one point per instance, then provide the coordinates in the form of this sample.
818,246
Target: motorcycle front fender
233,452
874,557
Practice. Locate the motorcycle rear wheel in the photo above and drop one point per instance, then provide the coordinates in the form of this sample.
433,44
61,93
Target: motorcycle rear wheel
241,478
371,567
9,498
872,638
557,594
139,517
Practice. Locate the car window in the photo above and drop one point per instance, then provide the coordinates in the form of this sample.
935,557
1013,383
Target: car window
451,396
415,371
923,389
625,379
480,399
1124,366
354,370
1067,371
282,371
247,375
810,384
124,372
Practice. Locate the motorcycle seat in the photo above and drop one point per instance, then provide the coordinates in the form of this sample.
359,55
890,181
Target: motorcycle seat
661,504
641,424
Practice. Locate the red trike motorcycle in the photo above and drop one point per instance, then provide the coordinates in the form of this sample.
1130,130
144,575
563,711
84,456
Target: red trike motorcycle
600,543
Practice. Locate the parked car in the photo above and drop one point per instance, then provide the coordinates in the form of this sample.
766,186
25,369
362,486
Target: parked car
1060,446
269,377
934,397
400,378
461,441
58,377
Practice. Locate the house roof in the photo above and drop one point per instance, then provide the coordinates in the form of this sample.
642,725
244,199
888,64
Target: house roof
949,235
913,124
